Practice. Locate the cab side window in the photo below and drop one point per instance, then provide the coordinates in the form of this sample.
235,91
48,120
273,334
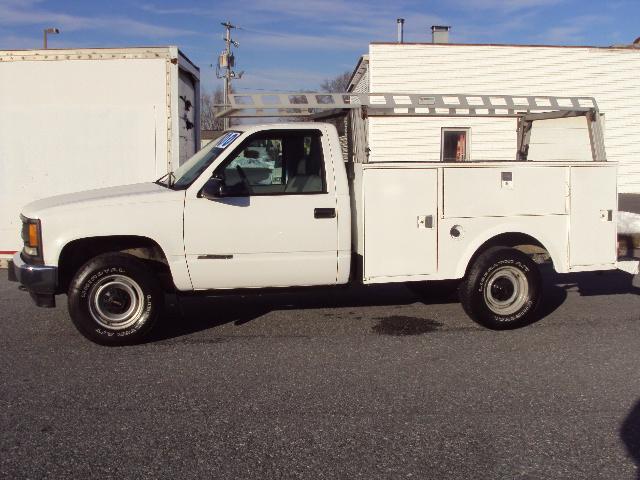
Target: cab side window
276,162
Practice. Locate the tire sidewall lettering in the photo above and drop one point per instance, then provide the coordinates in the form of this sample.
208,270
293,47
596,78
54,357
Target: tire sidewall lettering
86,286
121,270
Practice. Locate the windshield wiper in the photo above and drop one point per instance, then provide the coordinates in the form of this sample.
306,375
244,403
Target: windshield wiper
171,179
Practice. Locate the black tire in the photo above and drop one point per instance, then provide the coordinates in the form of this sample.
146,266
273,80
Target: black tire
502,289
434,289
114,299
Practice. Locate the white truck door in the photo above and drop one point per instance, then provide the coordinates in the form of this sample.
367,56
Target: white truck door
276,225
400,226
592,234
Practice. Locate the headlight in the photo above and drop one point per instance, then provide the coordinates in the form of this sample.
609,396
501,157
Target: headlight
32,238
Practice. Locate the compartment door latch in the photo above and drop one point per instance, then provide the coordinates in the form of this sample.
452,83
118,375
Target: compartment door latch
425,221
606,215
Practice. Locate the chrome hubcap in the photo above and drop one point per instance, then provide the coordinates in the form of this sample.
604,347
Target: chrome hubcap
116,302
506,290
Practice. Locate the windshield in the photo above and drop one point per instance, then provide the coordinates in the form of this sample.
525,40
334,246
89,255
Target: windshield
193,168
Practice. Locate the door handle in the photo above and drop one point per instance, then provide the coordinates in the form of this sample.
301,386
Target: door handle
324,213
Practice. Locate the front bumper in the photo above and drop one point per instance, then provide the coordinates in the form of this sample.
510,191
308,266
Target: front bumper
40,281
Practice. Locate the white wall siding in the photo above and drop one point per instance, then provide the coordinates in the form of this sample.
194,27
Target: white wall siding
415,139
362,86
609,75
571,133
357,126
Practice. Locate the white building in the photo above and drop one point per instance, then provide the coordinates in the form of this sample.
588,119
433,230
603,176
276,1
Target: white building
611,75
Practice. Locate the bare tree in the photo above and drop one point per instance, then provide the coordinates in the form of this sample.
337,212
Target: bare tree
208,110
338,84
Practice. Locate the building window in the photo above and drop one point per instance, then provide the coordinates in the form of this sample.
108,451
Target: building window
456,144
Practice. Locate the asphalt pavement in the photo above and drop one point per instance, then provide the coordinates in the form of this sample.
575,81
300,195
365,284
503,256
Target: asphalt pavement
342,383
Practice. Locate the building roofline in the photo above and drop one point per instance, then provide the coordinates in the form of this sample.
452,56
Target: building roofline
356,71
70,49
431,44
169,52
52,52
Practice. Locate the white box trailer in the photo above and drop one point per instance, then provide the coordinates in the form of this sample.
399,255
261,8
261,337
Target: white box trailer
80,119
608,74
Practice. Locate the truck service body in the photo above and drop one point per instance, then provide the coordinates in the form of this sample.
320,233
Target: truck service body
277,205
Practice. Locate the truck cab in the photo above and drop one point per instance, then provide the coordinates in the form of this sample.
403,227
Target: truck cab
262,206
273,211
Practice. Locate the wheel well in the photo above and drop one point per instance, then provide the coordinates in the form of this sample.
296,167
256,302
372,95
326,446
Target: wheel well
520,241
78,252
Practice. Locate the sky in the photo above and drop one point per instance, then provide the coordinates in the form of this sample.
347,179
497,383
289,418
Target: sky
294,45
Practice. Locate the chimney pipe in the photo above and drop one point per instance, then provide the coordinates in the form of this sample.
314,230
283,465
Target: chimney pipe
440,34
400,22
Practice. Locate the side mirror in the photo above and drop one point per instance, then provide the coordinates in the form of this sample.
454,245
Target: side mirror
213,189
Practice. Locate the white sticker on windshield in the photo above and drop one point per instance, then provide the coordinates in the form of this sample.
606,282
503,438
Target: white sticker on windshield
227,139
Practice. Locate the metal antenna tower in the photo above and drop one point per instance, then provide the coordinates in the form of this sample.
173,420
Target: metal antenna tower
226,62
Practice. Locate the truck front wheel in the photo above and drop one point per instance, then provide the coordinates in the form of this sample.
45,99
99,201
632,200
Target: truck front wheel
114,299
502,289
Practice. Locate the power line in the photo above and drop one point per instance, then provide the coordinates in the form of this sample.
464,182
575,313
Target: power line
264,32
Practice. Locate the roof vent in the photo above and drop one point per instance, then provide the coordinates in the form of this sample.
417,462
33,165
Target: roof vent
400,22
440,34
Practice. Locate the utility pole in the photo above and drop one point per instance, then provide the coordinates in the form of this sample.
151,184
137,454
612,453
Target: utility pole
226,62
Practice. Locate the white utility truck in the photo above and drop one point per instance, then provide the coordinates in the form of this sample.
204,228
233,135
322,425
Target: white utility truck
289,205
79,119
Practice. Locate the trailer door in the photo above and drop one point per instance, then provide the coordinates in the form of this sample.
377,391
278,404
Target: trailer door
187,111
400,217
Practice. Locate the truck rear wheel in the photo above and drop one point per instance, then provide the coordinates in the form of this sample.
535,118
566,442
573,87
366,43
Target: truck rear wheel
502,289
114,299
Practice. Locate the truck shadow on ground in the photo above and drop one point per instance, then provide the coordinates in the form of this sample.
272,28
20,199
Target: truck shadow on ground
196,313
630,435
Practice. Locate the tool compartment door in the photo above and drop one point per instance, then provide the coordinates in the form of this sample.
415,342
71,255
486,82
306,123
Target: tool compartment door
401,220
592,235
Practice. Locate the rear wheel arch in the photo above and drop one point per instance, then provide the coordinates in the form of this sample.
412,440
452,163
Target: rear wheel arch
523,242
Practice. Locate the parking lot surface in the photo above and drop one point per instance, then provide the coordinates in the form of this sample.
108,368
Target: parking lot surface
339,383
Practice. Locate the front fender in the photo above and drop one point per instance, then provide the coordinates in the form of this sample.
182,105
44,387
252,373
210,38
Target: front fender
160,222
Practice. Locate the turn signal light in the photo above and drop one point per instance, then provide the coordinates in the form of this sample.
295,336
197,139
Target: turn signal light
33,235
32,238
